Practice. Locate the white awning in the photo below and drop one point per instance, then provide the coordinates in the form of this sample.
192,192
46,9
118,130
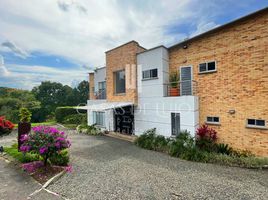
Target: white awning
105,106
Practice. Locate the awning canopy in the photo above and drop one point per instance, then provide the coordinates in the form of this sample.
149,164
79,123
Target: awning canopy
105,106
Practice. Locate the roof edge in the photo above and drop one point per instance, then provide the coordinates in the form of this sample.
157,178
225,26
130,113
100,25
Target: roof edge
132,41
153,49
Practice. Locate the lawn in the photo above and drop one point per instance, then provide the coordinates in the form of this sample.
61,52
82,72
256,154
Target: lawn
41,123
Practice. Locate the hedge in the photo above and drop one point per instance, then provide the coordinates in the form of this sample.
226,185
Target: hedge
62,112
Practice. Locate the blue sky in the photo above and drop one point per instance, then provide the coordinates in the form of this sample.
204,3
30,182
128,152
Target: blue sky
62,40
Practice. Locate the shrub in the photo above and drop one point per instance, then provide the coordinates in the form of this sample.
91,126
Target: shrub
146,139
206,138
61,158
5,126
182,143
91,130
62,112
45,141
75,119
223,149
25,115
21,157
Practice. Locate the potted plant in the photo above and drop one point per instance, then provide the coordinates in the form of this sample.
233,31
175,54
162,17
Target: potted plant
24,126
174,84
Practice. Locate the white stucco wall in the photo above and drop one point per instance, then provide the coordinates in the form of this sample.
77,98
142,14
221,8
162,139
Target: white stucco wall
154,109
99,76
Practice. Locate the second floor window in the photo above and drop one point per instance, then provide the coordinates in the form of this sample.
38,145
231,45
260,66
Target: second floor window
120,81
101,90
149,74
207,67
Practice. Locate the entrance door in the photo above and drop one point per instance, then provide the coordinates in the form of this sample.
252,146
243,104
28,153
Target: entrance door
186,75
124,119
175,124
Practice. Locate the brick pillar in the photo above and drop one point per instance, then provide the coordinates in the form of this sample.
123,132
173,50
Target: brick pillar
91,86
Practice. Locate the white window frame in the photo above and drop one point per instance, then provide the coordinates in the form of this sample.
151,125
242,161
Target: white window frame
213,122
256,126
207,71
95,113
150,74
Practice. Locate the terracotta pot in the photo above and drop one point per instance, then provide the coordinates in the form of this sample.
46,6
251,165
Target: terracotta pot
23,128
174,91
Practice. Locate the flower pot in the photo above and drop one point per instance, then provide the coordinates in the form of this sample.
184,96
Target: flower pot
23,128
174,91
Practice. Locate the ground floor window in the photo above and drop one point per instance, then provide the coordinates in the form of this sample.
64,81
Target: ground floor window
175,124
99,118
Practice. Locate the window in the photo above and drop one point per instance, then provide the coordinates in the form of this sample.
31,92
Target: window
213,120
120,82
101,90
207,67
149,74
258,123
98,118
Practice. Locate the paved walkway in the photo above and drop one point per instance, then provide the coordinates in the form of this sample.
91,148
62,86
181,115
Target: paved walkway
108,168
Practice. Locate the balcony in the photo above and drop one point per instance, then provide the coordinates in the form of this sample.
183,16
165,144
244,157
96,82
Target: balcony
101,94
181,88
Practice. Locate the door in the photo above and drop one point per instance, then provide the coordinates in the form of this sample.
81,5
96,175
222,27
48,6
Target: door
124,119
186,75
175,124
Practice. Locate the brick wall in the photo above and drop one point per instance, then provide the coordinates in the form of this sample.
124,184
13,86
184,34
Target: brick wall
240,83
123,57
91,86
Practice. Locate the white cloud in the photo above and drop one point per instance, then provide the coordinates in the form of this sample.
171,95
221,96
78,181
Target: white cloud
203,27
3,70
15,49
83,30
26,77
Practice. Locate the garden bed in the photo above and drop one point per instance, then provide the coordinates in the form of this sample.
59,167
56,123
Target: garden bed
203,149
33,164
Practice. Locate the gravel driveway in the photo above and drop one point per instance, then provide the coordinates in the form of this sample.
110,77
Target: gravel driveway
107,168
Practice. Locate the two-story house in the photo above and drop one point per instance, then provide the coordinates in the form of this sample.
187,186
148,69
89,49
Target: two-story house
219,78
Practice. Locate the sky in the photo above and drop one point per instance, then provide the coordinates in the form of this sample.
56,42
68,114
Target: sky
63,40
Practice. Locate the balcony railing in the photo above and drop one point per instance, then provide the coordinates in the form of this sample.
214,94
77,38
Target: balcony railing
101,94
181,88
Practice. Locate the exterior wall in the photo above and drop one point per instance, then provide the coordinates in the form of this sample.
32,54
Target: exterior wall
123,57
91,86
240,83
99,76
109,122
154,110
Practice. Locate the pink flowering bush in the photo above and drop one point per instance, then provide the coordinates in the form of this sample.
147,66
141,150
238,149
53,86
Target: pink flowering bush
46,141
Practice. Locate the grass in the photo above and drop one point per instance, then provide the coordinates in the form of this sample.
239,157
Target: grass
41,123
71,126
19,156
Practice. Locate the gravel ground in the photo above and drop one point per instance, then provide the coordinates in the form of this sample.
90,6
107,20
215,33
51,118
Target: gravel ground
107,168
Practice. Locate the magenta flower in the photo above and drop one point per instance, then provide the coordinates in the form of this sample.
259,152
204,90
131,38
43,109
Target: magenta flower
25,148
43,150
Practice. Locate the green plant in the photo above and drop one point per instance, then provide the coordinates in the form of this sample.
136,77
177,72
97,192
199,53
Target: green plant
62,158
62,112
174,79
75,119
223,149
88,129
146,140
25,115
21,157
45,141
182,143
